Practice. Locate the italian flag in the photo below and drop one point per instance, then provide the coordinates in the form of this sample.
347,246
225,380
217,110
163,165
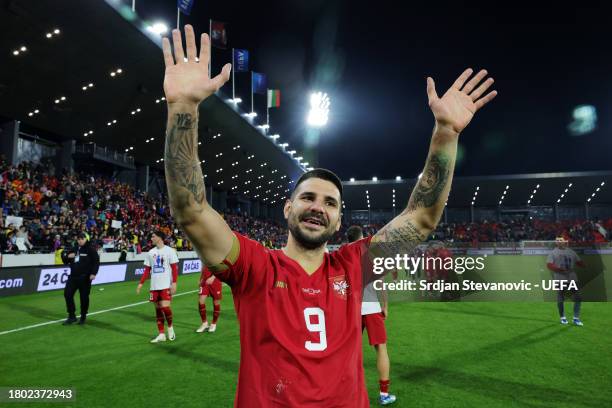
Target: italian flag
273,98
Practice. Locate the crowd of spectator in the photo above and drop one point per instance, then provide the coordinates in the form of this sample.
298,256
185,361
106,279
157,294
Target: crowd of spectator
577,231
116,217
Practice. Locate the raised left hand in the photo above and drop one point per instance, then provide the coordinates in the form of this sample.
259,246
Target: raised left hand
456,108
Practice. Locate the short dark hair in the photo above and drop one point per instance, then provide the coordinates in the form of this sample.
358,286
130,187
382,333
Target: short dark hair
323,174
160,234
81,235
354,232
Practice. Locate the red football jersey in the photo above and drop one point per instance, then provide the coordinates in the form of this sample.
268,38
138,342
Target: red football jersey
300,334
206,273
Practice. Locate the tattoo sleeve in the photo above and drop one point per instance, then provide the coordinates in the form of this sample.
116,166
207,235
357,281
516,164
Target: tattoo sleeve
426,202
430,186
397,239
183,172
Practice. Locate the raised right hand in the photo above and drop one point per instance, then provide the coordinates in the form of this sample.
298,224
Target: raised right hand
188,81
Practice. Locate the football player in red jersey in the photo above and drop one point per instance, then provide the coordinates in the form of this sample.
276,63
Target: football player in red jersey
299,314
209,286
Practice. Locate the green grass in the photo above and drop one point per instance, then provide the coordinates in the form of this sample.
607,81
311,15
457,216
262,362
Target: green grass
479,354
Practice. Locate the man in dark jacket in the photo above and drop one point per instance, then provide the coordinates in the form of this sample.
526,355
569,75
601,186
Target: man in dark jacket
84,262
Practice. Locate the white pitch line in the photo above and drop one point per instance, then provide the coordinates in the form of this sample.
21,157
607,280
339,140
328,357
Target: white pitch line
89,314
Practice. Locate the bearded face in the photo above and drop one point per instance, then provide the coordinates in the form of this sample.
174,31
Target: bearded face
313,214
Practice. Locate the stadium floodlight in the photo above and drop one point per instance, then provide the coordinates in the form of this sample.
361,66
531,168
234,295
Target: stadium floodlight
602,183
374,178
398,178
420,175
274,137
319,109
158,28
352,179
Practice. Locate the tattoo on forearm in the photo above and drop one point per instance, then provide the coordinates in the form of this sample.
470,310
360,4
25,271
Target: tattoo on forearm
431,184
397,239
183,171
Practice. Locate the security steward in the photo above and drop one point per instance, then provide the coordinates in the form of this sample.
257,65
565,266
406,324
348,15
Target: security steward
84,262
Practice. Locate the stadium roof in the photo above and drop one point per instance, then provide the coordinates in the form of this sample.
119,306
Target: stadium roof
522,190
91,67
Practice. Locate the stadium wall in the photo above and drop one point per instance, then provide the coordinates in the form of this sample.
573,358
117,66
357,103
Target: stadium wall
24,280
12,260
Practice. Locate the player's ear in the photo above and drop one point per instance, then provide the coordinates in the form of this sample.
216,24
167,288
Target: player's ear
287,208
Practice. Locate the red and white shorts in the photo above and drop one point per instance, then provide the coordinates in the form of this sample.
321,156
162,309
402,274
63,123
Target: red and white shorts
157,295
375,325
213,290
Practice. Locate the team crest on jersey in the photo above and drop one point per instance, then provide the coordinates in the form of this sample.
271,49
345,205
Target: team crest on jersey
339,286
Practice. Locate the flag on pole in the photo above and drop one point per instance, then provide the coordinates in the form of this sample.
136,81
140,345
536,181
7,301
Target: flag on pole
218,34
259,83
273,98
241,61
184,6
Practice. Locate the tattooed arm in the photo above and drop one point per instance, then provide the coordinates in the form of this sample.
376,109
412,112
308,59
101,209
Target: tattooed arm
186,84
453,112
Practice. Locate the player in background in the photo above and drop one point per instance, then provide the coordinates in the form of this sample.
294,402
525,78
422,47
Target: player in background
373,320
299,314
161,263
209,286
562,261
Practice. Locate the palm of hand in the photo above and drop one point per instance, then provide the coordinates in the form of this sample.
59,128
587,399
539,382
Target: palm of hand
454,110
187,82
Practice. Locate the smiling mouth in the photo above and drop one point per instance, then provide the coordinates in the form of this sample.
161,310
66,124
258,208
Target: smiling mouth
313,222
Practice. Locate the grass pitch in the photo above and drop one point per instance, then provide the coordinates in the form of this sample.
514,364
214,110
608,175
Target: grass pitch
459,354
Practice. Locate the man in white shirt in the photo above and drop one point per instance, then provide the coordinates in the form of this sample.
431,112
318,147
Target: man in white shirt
161,263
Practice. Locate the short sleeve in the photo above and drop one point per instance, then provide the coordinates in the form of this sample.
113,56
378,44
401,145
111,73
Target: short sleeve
247,274
354,257
147,261
173,257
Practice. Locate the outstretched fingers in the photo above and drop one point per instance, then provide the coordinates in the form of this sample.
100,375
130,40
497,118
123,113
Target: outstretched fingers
458,84
474,81
223,77
481,89
204,49
168,60
192,50
178,46
486,99
432,95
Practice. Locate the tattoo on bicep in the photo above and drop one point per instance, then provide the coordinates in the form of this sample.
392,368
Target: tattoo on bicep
432,182
181,160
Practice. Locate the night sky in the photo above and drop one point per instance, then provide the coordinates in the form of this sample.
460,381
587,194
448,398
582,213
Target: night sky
372,58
